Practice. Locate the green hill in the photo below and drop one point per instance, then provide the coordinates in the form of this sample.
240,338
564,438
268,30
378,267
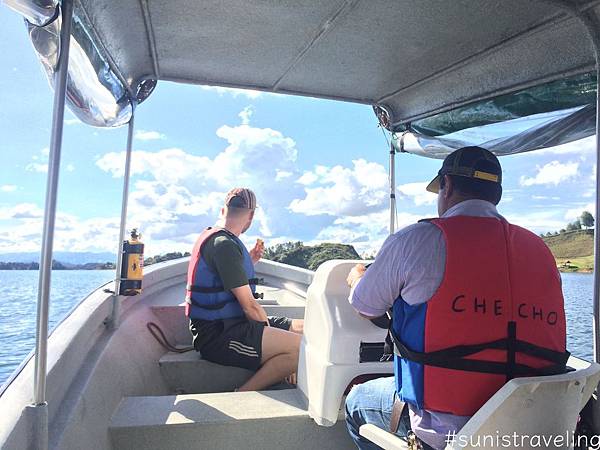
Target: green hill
573,250
298,254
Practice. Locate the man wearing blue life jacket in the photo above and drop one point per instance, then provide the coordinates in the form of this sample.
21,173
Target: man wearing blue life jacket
475,301
228,325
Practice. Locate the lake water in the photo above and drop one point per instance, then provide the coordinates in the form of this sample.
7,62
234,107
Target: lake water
19,299
18,304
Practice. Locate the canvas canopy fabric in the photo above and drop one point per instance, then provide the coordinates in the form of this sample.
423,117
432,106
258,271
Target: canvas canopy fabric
413,58
543,116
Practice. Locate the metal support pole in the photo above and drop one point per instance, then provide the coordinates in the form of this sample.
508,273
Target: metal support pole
60,85
392,188
597,221
116,306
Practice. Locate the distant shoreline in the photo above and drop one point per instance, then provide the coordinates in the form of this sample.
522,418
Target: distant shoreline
56,265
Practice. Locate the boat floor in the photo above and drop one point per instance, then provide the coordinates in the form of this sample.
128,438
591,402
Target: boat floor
253,420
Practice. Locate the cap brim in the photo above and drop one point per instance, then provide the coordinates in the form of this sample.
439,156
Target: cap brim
434,185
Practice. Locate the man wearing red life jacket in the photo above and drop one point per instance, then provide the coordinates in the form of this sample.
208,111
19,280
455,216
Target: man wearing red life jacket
228,325
475,302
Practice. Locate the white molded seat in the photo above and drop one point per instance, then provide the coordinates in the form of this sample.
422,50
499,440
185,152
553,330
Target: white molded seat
333,333
544,407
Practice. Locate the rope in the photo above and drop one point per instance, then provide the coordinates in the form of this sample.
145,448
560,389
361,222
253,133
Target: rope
158,334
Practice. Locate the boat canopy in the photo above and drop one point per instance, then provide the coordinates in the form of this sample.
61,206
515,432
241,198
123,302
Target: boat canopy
432,67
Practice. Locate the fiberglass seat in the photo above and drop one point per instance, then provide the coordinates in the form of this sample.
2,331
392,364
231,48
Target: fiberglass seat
534,409
338,345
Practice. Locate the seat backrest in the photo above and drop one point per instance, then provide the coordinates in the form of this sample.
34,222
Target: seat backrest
533,412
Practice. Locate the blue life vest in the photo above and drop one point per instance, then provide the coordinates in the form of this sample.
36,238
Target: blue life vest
205,296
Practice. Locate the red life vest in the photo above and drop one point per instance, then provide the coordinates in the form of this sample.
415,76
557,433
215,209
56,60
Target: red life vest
498,314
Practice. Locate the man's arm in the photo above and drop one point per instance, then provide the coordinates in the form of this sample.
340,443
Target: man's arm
251,307
374,290
228,261
353,278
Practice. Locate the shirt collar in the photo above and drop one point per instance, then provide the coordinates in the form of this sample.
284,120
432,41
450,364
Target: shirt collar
474,207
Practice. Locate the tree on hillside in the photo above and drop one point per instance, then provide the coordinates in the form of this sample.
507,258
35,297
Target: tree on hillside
309,257
587,220
574,226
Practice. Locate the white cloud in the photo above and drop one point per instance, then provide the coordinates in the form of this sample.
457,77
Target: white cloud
179,192
282,175
71,233
339,191
585,145
246,114
575,213
543,197
539,221
8,188
72,121
417,193
552,173
39,167
365,233
70,168
21,211
143,135
235,92
36,167
589,193
308,178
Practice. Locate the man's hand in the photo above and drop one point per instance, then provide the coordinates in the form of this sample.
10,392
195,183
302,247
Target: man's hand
257,251
355,274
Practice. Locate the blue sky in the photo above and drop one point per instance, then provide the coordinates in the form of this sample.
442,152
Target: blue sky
319,167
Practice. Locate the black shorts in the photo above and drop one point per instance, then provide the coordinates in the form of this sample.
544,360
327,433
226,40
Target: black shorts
233,342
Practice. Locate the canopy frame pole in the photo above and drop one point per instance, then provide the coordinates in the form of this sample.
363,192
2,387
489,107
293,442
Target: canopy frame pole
392,177
60,82
591,23
116,303
39,408
596,41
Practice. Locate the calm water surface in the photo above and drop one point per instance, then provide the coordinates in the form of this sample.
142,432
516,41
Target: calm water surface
19,298
18,303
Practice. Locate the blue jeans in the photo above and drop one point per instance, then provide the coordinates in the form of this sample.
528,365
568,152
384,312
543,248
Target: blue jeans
372,402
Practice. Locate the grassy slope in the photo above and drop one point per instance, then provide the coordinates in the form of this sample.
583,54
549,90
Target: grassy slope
573,250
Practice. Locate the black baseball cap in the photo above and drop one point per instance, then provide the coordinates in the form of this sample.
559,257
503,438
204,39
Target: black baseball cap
470,162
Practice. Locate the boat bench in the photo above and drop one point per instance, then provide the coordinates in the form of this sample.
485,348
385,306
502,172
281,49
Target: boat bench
186,373
530,408
175,325
249,420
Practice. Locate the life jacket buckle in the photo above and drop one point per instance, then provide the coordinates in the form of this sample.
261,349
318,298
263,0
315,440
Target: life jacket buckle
413,441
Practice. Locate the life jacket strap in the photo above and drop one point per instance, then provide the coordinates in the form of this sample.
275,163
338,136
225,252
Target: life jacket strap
455,358
212,306
218,289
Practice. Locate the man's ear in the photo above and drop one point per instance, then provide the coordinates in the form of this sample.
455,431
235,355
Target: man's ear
448,186
223,212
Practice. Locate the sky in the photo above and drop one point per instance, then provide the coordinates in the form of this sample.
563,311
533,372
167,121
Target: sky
318,167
